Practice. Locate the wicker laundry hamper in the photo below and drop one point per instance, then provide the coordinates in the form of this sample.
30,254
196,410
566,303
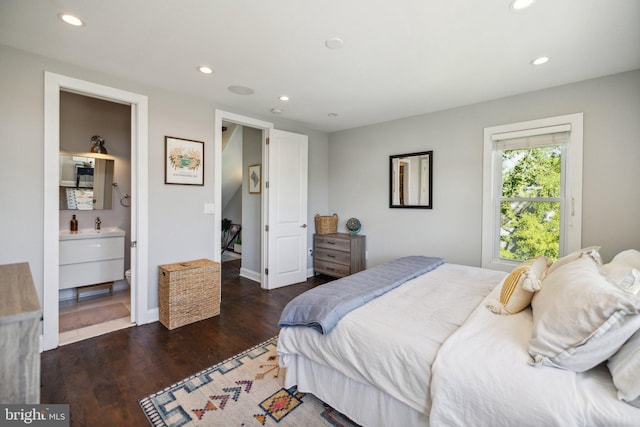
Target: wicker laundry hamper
188,292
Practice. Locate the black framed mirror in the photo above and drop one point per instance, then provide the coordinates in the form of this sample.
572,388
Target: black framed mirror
411,180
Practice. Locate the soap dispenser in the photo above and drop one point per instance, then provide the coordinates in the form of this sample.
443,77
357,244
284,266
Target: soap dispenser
73,226
98,222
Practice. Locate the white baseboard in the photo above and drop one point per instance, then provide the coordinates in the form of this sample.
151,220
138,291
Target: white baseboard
250,274
153,315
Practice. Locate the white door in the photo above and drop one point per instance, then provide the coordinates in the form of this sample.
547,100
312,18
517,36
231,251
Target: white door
287,164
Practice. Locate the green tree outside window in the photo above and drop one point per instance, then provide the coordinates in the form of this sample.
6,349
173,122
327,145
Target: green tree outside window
530,203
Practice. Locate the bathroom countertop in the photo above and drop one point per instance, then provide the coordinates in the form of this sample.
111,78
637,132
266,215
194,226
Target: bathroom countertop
90,233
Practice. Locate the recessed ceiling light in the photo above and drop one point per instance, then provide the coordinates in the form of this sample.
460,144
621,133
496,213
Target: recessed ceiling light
276,111
205,70
284,98
540,61
333,115
334,43
71,20
240,90
521,4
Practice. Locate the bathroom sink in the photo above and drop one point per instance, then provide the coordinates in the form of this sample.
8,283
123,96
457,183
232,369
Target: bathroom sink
90,233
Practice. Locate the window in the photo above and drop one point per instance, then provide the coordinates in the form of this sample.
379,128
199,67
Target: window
532,190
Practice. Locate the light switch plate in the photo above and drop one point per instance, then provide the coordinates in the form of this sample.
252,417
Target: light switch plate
209,208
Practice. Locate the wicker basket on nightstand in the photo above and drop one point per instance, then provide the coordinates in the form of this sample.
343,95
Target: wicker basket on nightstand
326,224
188,292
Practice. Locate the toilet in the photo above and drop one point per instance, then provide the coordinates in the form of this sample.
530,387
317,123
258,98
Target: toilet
127,275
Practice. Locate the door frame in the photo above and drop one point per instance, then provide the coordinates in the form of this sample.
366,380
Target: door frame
53,84
219,117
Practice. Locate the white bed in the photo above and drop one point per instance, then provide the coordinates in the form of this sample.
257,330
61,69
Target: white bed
430,353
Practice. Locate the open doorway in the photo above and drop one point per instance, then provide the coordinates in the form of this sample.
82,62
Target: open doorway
95,295
262,128
241,205
54,84
283,198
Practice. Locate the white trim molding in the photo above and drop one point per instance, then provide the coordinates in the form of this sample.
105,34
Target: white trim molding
571,205
53,84
250,274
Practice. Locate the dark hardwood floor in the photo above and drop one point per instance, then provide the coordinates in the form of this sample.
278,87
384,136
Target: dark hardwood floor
102,378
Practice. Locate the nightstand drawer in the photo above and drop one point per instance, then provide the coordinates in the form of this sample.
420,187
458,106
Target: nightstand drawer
333,256
338,254
332,269
335,243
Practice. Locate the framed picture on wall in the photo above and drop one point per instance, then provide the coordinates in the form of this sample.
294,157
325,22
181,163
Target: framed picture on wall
183,161
255,178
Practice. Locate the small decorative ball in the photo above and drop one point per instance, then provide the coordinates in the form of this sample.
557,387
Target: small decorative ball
353,226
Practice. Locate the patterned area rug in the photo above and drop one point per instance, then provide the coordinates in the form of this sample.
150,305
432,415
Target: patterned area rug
246,390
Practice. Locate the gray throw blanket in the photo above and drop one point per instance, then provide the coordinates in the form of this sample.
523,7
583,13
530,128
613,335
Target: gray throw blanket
322,307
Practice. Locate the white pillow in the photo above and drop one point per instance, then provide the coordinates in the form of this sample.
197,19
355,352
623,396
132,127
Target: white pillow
580,319
630,257
592,251
624,270
625,370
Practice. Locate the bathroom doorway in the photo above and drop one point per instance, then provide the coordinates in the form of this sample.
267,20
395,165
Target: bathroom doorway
95,199
54,84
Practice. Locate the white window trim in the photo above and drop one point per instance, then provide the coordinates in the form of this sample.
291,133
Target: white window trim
571,239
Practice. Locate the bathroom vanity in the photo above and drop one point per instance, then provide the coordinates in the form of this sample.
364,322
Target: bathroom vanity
91,257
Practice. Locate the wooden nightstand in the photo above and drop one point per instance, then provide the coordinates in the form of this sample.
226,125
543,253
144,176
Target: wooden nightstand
338,254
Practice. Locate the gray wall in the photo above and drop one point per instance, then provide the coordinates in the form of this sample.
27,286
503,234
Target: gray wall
251,203
233,210
359,165
231,172
178,229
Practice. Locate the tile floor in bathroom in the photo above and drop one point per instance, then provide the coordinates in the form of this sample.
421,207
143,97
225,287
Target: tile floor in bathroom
98,303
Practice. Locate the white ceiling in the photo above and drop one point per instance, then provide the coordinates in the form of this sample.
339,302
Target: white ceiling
400,58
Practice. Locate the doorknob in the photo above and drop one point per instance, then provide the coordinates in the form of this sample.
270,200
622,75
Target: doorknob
304,226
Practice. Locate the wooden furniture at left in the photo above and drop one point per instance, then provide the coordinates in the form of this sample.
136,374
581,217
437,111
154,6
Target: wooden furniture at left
19,336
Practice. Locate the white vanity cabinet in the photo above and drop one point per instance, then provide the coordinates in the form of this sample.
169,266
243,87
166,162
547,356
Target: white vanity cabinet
90,257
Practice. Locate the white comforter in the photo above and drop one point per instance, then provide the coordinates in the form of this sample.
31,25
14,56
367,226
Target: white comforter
392,341
482,377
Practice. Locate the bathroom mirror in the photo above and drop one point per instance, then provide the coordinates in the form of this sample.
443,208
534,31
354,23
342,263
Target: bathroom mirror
86,183
410,180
